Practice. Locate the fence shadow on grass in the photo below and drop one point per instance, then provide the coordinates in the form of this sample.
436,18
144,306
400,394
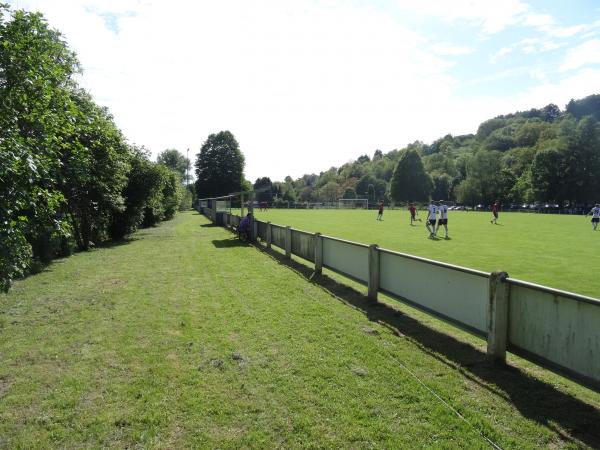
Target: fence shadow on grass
534,398
229,243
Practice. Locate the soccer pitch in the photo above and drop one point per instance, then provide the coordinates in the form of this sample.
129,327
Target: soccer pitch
560,251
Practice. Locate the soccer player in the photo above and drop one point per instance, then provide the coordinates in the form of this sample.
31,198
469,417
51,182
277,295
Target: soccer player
595,212
380,213
413,213
495,209
443,220
431,219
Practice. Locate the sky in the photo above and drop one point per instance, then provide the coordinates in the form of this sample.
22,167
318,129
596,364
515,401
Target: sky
305,85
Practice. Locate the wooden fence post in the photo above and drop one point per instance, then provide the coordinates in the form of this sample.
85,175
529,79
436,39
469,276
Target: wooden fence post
288,242
498,317
373,272
318,253
269,234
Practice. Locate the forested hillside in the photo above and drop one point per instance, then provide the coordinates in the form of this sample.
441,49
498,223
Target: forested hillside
68,177
546,155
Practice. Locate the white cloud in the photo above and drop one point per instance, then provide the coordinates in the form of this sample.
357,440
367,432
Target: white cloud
302,85
500,54
566,32
491,16
448,49
582,55
538,20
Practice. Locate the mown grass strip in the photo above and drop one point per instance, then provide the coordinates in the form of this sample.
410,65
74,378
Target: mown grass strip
186,337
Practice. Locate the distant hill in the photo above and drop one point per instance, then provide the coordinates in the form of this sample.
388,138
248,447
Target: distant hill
547,155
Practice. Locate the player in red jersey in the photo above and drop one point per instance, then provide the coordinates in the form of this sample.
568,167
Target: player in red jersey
495,210
413,213
380,212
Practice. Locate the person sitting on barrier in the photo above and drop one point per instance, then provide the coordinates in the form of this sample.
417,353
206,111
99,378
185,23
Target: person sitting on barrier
244,227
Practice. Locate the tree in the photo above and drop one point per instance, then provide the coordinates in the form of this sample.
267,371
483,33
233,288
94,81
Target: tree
35,77
349,193
330,192
547,176
486,128
175,161
410,182
219,166
483,182
442,185
264,189
140,187
93,170
588,106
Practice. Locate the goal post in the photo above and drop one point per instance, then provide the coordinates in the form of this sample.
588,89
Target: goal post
353,203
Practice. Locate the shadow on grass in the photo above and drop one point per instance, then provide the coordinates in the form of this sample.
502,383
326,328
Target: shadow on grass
229,243
210,225
117,242
569,417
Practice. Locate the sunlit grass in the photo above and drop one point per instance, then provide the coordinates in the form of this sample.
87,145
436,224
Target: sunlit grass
186,338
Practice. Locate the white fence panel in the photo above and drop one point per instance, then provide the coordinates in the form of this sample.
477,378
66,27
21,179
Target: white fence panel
303,245
452,292
262,230
560,327
348,258
278,236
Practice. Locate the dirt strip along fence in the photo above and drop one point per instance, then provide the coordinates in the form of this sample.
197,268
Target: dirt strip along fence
556,329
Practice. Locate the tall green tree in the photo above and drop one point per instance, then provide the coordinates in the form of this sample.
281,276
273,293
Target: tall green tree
483,183
264,189
175,161
35,109
410,182
219,166
93,171
547,176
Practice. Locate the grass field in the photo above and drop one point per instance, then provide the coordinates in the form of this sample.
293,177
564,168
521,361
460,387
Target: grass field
184,337
555,250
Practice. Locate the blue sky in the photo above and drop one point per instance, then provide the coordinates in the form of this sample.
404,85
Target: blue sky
309,84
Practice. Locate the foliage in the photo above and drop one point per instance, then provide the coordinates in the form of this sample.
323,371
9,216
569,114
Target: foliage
94,167
410,182
219,166
63,161
175,161
35,108
264,189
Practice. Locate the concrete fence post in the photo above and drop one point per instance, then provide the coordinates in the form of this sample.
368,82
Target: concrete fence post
254,230
288,242
373,272
269,234
498,317
318,253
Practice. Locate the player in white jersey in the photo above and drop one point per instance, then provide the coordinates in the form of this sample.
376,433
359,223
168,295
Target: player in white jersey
595,212
443,220
431,218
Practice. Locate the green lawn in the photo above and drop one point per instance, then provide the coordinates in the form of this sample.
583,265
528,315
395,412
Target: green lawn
184,337
555,250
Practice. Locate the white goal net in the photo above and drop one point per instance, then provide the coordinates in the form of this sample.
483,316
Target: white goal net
353,203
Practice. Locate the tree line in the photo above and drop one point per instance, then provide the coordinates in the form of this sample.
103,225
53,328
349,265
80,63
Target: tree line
539,155
68,178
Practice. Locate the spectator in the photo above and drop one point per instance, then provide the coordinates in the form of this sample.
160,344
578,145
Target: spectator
244,227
